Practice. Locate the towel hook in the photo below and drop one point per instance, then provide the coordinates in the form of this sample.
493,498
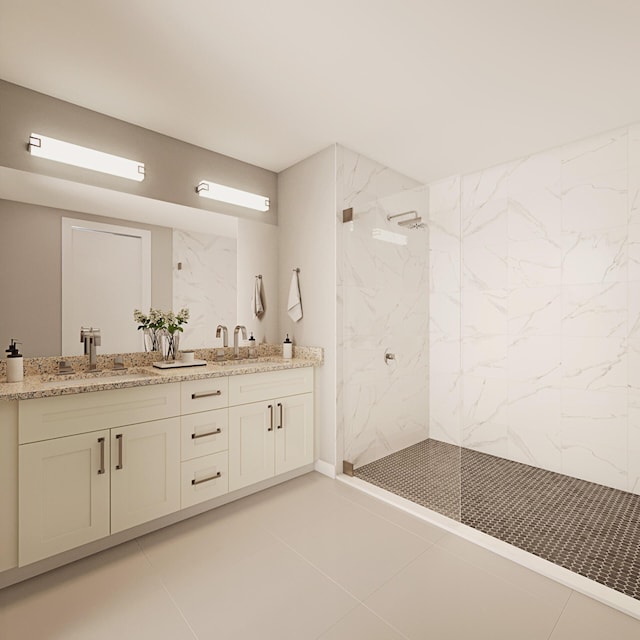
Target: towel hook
259,276
296,269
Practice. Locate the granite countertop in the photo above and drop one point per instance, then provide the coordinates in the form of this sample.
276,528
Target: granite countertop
49,385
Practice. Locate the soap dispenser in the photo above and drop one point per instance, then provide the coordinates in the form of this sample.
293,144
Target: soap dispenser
15,368
253,350
287,348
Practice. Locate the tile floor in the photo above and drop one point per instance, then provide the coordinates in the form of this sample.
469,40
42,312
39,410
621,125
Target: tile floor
587,528
311,558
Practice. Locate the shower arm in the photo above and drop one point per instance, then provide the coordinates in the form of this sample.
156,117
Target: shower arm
404,213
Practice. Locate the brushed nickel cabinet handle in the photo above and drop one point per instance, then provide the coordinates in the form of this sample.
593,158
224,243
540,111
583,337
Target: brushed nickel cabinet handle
205,394
119,439
270,418
280,407
195,482
101,469
195,436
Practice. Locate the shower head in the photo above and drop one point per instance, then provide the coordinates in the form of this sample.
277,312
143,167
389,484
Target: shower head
414,222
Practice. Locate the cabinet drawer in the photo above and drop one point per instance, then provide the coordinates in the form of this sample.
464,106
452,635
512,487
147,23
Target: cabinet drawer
255,387
200,479
204,433
46,418
204,395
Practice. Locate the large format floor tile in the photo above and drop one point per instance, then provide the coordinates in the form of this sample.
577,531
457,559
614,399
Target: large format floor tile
113,594
311,559
586,619
441,595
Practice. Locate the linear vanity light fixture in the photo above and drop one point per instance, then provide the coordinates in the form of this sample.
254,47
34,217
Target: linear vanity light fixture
222,193
67,153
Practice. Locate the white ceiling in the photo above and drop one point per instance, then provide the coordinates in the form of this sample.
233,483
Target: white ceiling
427,87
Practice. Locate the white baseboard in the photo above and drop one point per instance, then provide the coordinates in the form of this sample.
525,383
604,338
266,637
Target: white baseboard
325,468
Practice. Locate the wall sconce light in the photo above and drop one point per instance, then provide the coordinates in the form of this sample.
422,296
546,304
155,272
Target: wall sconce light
67,153
222,193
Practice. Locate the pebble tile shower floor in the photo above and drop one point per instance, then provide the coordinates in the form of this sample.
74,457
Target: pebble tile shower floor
587,528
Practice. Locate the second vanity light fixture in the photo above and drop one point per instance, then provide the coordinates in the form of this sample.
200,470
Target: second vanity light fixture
223,193
67,153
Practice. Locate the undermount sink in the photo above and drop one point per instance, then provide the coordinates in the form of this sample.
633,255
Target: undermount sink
99,377
245,362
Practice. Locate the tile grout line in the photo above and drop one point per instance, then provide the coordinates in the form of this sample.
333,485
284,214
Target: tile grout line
166,589
349,593
566,604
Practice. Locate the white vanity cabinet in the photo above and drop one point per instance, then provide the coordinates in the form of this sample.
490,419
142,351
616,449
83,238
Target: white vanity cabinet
90,465
274,434
85,472
204,435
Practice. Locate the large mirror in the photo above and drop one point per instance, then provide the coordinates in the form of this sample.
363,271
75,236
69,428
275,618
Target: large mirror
200,267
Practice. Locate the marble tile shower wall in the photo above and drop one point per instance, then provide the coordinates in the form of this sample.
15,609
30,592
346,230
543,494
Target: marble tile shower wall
206,284
535,310
382,305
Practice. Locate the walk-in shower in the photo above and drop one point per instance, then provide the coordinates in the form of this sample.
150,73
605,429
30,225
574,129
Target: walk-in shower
513,404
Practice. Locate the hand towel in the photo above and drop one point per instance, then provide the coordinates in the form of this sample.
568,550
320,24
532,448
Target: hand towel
294,305
257,303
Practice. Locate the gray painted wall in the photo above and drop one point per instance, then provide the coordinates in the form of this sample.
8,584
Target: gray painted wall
173,168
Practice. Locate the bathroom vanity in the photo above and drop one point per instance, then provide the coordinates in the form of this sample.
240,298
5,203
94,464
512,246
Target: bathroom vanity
95,462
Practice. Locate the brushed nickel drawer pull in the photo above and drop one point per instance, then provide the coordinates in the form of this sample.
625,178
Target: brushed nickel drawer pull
270,417
195,482
280,407
119,439
205,394
101,469
195,436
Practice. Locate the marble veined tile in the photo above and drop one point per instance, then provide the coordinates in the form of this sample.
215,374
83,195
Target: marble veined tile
598,310
535,359
485,225
596,155
594,256
484,267
206,284
484,400
634,174
484,313
535,311
598,202
594,436
444,196
539,173
365,180
633,310
634,365
534,414
594,364
634,252
445,407
535,215
444,333
533,263
482,188
485,356
634,441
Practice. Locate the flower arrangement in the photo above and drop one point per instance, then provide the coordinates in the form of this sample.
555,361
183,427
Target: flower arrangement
162,329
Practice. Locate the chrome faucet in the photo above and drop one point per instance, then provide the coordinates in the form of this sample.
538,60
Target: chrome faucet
236,346
92,339
222,330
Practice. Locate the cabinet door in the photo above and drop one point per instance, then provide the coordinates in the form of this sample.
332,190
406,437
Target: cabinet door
251,443
145,472
63,494
294,432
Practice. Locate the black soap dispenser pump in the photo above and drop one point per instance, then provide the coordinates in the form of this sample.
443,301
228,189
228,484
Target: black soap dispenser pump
15,362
